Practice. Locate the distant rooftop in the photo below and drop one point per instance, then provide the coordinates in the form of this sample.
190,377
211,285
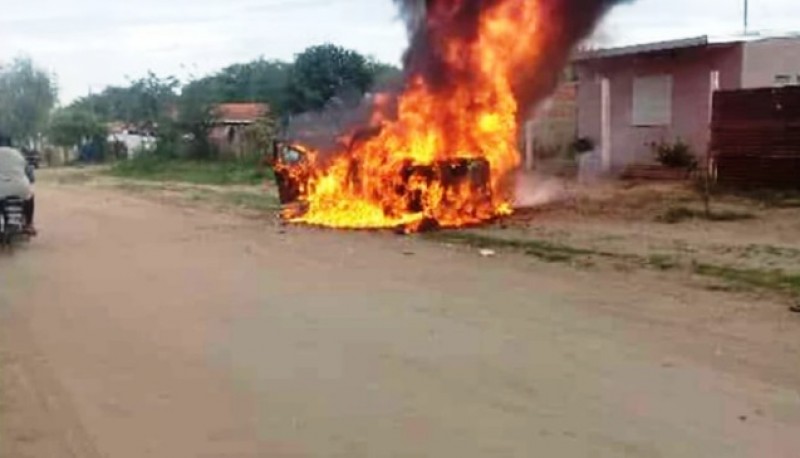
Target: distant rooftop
238,113
694,42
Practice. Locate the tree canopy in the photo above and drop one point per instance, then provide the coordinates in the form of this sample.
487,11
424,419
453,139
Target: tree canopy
71,126
260,81
145,102
323,72
27,95
384,74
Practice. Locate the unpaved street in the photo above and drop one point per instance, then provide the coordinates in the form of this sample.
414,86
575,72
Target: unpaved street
133,328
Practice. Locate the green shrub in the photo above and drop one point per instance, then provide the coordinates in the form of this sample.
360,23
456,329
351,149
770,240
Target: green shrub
674,155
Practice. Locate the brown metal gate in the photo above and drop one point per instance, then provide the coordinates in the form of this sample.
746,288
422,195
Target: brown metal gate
755,137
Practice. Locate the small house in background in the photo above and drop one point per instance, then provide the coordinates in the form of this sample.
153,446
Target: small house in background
631,97
231,120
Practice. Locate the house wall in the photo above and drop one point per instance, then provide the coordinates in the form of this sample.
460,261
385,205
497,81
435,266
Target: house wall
230,140
691,98
765,59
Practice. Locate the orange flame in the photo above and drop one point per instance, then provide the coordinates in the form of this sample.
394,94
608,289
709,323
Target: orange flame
474,118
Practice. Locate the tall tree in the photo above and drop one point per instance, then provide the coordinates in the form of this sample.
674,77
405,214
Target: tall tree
145,102
258,81
321,73
262,81
385,75
27,95
72,126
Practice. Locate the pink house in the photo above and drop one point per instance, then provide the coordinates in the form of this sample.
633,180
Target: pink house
632,96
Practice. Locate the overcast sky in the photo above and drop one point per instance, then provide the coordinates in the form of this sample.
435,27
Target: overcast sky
90,44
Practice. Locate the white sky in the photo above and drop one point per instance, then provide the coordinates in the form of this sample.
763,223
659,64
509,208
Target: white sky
90,44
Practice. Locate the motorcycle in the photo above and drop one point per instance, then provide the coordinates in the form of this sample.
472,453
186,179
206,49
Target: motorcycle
12,222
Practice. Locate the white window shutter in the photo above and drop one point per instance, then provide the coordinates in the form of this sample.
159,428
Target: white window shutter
652,101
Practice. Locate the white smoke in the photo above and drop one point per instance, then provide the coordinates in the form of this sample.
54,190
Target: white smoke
535,190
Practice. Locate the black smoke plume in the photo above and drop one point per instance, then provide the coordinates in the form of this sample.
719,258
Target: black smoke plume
431,22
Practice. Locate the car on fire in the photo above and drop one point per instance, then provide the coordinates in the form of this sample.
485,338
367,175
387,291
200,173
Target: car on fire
293,165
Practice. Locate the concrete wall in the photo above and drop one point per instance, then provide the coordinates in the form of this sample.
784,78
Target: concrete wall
764,59
691,98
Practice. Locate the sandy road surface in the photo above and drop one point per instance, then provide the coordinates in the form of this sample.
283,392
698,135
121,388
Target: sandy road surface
137,329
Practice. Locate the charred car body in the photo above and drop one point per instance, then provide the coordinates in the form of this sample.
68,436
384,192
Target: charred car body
293,166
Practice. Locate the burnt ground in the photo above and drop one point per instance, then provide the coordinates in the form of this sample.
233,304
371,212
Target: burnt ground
184,321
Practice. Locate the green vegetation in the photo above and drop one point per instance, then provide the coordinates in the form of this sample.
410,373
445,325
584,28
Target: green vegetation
260,81
250,200
226,198
769,280
679,214
27,95
662,262
71,126
156,168
774,198
674,155
321,73
144,102
774,280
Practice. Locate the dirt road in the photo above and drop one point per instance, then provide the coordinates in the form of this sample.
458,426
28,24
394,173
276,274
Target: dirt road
136,329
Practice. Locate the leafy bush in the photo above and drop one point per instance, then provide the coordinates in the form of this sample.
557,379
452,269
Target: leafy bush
674,155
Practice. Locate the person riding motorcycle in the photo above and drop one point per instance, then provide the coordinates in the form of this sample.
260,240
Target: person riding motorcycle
16,177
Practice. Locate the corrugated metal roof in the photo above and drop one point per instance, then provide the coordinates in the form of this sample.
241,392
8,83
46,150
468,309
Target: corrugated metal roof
693,42
643,48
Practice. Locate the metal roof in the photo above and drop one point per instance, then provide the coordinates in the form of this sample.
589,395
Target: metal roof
694,42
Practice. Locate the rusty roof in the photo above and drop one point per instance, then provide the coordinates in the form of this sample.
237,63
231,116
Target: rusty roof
240,113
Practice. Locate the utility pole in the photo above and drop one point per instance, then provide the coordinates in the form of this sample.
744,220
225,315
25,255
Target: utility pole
746,16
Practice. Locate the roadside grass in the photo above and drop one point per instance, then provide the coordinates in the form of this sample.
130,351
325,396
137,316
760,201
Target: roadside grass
771,250
546,251
246,200
679,214
249,200
775,198
738,278
662,262
221,172
774,280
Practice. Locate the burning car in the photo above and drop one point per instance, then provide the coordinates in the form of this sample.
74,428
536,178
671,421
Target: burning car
290,164
418,188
